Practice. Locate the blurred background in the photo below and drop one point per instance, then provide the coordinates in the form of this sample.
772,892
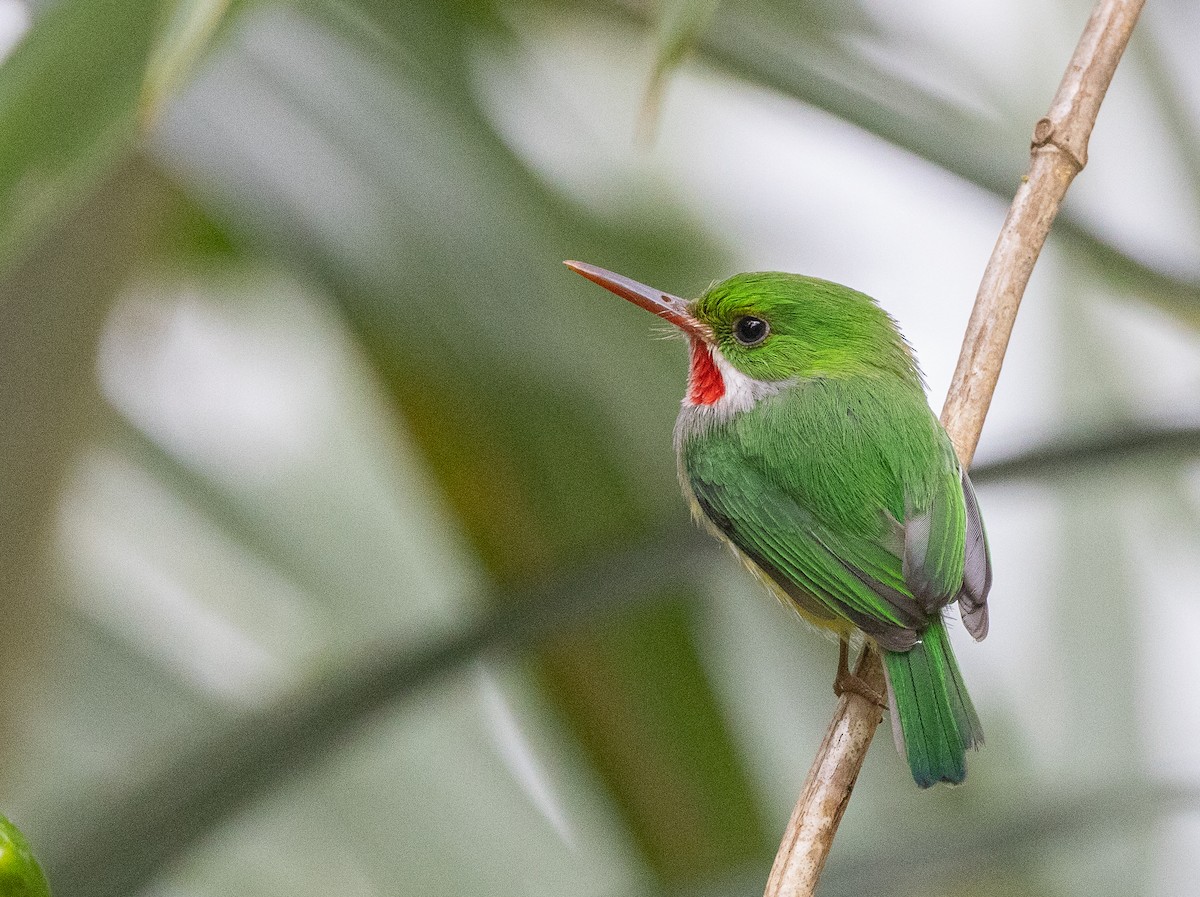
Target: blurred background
342,551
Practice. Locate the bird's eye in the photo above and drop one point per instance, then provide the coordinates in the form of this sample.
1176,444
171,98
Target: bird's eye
750,331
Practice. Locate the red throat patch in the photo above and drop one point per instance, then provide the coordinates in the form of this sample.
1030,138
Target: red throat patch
705,385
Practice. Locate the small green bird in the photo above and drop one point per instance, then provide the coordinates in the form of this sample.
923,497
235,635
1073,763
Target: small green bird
805,440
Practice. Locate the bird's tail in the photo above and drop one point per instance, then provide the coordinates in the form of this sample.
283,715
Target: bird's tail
933,720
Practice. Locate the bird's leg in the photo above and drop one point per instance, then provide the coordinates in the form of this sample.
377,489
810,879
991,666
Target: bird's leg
845,681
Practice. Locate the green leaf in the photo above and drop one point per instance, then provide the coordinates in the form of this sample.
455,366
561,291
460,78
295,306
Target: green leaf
68,109
681,24
189,31
20,874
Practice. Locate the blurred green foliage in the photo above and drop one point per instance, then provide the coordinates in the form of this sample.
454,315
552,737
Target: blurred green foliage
20,874
343,552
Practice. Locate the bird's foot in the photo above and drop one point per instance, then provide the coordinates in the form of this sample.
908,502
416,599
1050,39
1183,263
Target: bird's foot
851,684
845,682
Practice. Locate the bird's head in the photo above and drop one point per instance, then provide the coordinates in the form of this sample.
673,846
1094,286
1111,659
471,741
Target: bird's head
771,327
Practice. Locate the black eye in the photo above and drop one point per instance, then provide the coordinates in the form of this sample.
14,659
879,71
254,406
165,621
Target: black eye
750,331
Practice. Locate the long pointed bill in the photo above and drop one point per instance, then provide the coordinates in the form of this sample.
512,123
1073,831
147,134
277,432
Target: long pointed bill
668,307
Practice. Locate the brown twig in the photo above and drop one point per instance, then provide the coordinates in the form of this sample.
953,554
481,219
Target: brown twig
1059,152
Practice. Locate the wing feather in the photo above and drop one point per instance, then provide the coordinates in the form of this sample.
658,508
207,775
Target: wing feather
977,567
933,543
791,547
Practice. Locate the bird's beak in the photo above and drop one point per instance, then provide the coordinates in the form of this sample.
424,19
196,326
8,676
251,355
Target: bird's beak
668,307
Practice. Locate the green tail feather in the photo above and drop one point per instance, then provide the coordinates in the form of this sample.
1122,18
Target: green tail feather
933,719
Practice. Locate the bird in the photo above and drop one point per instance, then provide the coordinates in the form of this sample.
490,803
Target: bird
806,442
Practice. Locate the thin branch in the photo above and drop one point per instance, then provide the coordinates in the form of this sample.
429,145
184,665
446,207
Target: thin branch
1059,152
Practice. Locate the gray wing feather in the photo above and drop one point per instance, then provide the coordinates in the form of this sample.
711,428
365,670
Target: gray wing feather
916,546
977,568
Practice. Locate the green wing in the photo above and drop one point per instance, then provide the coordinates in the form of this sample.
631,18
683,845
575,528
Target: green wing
946,555
846,577
891,583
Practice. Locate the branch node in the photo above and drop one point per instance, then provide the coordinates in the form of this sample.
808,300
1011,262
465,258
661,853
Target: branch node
1042,132
1045,137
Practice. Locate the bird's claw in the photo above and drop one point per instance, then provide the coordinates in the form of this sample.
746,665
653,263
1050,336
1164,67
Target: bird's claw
851,684
845,682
